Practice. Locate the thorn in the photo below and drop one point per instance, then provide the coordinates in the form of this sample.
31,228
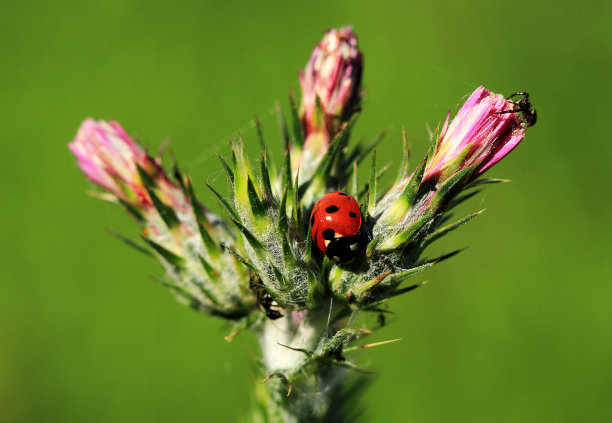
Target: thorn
366,331
161,150
267,379
296,349
249,350
232,335
375,344
290,388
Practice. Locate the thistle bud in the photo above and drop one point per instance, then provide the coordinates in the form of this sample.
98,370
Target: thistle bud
181,233
110,158
485,130
330,86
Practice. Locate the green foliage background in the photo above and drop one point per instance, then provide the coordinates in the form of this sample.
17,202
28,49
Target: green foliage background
517,328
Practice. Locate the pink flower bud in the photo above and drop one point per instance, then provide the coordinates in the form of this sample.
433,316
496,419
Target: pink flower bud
485,130
109,157
333,76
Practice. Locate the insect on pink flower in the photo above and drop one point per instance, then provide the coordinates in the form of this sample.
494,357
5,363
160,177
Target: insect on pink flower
486,128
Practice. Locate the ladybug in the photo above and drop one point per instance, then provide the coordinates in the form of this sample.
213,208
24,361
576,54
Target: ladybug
336,222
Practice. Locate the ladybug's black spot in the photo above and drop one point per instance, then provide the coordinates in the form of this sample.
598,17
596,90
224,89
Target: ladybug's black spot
352,214
342,193
331,209
328,234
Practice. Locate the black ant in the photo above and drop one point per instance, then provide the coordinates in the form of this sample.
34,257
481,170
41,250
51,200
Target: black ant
266,301
522,105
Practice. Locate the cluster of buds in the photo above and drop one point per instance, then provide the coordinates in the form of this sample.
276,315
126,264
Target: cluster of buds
262,267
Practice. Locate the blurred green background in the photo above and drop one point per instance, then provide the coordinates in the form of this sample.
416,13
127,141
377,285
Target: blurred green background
517,328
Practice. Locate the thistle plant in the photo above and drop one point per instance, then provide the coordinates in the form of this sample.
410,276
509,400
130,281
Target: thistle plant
255,262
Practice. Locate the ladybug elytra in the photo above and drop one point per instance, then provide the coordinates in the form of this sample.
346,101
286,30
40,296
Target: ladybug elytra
336,222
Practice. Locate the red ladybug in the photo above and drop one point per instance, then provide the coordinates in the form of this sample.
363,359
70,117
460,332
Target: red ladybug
336,221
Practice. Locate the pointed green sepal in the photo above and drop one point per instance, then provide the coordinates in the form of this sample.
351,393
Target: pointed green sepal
227,167
404,237
131,243
167,213
171,258
257,207
298,133
398,278
397,210
132,210
282,125
372,190
265,178
212,248
283,224
227,206
449,186
308,248
446,229
252,239
212,274
403,168
241,259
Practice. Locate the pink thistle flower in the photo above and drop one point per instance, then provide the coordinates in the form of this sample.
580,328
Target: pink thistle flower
330,85
482,133
110,158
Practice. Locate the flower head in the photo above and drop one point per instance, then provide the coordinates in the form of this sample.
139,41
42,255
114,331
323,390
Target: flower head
110,158
330,83
483,132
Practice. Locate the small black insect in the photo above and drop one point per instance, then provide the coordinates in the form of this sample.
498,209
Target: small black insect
522,105
266,303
